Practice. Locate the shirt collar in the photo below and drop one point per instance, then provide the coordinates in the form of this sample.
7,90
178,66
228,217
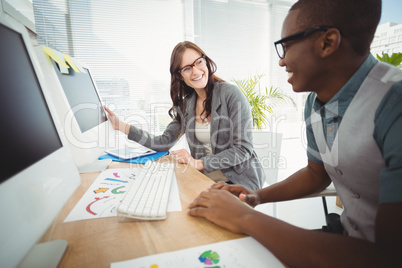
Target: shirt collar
340,102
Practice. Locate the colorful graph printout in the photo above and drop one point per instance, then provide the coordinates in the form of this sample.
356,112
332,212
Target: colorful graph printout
238,253
209,257
106,192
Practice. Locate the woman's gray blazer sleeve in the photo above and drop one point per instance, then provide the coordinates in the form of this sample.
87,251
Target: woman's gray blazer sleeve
159,143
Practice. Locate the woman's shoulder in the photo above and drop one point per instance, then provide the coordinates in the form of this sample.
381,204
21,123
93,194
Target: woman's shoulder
226,88
223,85
229,94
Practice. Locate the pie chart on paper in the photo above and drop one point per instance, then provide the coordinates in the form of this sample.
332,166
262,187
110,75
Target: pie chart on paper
209,257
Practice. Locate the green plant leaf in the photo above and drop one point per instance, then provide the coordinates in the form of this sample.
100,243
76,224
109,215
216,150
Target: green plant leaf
395,59
262,102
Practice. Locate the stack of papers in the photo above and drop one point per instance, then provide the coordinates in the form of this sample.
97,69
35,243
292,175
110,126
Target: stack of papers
136,153
138,160
139,154
130,152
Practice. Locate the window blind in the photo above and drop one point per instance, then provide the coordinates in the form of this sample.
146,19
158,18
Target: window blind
128,44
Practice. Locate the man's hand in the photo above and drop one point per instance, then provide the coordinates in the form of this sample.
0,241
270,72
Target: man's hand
221,208
248,196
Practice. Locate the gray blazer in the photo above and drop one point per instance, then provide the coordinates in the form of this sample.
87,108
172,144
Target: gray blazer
231,136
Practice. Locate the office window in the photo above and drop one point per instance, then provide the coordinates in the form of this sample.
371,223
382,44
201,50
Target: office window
128,45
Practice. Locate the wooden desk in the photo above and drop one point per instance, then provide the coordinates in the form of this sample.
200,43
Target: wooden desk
99,242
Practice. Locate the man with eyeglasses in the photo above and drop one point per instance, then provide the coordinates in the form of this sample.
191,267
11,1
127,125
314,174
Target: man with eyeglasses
354,124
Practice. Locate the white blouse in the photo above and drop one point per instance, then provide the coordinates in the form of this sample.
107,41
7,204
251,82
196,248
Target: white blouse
203,135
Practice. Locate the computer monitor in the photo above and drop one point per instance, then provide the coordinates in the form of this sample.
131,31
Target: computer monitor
21,11
37,174
79,108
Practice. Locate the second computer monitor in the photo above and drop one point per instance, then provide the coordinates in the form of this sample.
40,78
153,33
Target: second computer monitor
79,107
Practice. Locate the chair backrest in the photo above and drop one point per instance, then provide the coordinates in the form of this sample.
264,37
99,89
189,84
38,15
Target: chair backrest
267,145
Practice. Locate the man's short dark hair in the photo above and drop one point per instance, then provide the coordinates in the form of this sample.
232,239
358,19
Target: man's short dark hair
357,20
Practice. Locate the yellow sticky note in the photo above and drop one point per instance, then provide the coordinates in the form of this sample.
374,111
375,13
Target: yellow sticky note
63,70
50,53
77,64
71,63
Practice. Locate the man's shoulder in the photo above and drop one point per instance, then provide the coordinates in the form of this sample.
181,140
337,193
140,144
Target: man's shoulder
391,102
397,88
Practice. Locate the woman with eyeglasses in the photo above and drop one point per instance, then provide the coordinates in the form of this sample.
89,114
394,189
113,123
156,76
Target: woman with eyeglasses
215,117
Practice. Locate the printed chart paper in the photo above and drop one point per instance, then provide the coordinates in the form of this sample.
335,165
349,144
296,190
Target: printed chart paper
238,253
104,195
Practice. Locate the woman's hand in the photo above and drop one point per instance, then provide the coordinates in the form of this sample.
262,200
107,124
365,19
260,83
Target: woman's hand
184,157
117,124
221,208
244,194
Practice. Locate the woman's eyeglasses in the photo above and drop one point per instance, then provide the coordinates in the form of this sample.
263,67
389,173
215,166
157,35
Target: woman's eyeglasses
199,63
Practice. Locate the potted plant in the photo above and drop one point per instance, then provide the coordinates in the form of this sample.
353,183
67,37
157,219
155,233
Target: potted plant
262,101
395,59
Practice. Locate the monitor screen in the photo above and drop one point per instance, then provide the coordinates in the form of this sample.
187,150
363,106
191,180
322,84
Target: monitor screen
38,174
28,133
83,98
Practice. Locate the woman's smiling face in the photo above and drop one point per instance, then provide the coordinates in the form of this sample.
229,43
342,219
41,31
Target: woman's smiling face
198,78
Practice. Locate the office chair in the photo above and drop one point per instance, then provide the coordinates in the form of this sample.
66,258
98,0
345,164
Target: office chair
267,146
332,220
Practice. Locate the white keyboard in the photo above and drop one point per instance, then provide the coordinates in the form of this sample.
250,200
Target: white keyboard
148,195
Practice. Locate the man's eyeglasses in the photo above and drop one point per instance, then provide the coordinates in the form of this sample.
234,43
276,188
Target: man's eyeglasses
199,63
280,49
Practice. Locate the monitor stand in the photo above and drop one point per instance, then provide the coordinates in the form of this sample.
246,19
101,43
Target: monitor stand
96,166
46,254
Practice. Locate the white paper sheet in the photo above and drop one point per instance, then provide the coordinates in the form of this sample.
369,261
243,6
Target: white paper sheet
106,192
181,144
243,252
